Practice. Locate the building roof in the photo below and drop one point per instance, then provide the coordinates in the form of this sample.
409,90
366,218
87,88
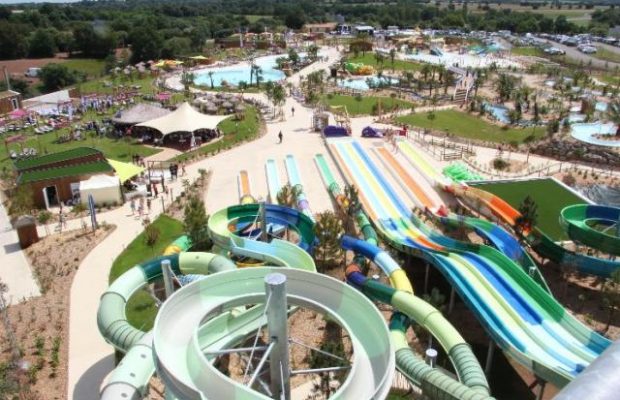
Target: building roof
60,96
139,113
321,25
8,93
53,158
91,168
184,119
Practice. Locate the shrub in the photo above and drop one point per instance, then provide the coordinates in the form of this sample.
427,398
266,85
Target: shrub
569,179
500,164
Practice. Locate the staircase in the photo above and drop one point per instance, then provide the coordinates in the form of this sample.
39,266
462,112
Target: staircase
460,96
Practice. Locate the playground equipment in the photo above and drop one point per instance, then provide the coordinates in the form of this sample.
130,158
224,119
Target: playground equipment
245,188
521,317
373,132
359,68
294,179
341,115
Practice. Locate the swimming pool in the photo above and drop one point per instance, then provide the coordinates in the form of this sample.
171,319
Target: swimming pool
233,74
500,113
600,106
586,132
362,84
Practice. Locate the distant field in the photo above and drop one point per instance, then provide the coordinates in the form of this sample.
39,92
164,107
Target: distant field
550,197
470,126
91,67
577,16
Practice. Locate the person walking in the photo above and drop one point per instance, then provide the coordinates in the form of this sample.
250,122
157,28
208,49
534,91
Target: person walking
148,205
293,111
280,136
132,205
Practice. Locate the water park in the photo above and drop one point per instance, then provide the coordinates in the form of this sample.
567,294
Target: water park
375,218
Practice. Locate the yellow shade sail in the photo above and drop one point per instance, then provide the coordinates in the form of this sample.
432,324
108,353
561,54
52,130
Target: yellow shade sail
125,171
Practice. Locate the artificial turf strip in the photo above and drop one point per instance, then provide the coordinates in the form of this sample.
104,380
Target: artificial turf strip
550,197
61,172
53,158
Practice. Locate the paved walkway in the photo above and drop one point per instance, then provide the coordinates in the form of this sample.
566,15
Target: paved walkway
15,270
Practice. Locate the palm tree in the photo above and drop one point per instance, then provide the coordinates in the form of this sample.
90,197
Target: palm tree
210,73
258,73
392,57
529,214
287,195
278,96
504,85
613,113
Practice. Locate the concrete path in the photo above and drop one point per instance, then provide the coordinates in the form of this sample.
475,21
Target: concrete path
15,271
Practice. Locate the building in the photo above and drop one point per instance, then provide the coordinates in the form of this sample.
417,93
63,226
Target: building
10,100
364,29
325,27
56,177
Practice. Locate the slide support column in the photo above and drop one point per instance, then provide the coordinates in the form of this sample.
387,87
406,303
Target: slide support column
427,268
541,389
451,304
166,270
489,363
275,288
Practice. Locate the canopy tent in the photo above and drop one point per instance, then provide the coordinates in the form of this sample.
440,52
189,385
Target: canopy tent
139,113
184,119
125,171
103,188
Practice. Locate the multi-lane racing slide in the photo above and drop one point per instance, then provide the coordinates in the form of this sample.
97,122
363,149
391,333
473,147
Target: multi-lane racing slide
521,317
245,188
493,233
273,180
294,178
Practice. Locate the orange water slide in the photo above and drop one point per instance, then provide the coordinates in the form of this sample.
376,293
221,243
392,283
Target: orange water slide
407,179
497,205
244,182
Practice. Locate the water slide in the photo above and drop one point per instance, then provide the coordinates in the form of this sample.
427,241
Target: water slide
493,233
294,179
433,382
521,317
130,379
273,180
245,188
579,222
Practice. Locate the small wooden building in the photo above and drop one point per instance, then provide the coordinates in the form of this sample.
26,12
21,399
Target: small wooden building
26,227
55,177
10,100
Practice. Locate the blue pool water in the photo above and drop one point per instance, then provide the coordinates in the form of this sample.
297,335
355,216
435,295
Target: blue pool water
601,106
233,74
576,117
361,84
500,113
586,133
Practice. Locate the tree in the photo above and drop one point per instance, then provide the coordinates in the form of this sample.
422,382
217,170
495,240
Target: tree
295,18
195,220
529,214
287,196
313,52
42,44
392,57
56,76
351,204
293,56
151,235
431,118
43,218
327,229
611,296
91,43
358,100
176,47
613,113
13,41
278,96
210,73
504,86
146,44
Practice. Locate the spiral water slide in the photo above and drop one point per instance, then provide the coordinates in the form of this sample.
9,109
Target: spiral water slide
521,317
433,382
499,237
130,379
294,178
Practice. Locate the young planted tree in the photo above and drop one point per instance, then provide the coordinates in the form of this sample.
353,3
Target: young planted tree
195,221
151,235
529,214
287,196
210,73
611,296
327,229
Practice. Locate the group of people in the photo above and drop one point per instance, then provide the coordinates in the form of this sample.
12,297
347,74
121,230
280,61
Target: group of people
174,171
141,202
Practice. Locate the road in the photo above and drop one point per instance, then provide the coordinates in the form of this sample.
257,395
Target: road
572,52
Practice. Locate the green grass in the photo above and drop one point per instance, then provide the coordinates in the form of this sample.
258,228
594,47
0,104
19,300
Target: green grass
471,127
609,79
91,67
550,197
607,55
141,308
233,131
99,85
365,106
527,51
399,65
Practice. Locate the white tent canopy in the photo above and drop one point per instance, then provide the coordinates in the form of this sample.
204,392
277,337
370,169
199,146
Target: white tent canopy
103,188
184,119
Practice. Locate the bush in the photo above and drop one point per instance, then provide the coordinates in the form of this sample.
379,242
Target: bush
569,179
500,164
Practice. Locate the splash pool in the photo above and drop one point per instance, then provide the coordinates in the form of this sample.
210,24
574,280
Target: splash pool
498,112
588,132
233,74
362,83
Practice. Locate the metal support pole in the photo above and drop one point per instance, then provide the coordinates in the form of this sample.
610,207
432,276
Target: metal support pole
426,272
541,390
431,357
275,288
451,304
263,223
489,362
166,270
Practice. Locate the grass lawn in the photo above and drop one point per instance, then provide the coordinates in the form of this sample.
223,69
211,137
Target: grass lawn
607,55
527,51
366,103
234,132
141,309
470,126
99,86
550,196
93,68
399,65
118,149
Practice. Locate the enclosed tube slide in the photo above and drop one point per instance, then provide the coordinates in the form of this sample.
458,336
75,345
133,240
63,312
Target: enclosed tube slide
525,321
577,220
294,179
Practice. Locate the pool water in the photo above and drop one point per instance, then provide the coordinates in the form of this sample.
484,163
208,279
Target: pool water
601,106
233,74
586,132
362,84
500,113
576,117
